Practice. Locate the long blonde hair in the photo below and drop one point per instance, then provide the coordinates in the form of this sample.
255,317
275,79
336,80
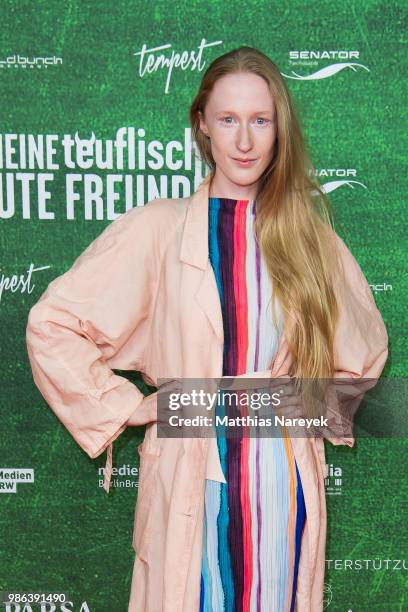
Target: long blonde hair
293,223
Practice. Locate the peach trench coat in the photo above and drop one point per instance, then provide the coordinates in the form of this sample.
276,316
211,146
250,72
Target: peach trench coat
143,297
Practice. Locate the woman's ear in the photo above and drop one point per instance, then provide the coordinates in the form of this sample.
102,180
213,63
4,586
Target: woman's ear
203,127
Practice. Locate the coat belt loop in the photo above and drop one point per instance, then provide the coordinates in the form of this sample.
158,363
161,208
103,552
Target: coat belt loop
108,469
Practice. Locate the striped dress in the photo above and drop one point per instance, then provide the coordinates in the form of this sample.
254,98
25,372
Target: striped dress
252,523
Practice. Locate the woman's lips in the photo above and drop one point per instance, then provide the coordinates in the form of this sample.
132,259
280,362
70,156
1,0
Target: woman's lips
244,164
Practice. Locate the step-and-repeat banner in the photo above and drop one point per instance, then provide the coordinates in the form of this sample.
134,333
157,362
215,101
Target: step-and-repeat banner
94,102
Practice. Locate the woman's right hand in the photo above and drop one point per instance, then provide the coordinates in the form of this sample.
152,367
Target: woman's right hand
146,412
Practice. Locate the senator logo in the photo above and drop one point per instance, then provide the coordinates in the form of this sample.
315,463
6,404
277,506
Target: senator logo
310,58
333,185
334,178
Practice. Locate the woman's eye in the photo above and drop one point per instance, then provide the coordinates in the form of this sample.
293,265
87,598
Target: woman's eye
228,120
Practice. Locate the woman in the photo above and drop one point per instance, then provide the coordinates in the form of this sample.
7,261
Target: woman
245,277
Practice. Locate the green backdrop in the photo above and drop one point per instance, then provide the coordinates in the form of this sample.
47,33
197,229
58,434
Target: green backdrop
75,67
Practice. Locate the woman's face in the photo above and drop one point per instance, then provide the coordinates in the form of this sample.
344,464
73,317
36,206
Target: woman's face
239,119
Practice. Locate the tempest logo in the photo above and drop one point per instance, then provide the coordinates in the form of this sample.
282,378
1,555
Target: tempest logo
312,58
152,61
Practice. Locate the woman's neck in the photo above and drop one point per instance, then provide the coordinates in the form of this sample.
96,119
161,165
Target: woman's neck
222,187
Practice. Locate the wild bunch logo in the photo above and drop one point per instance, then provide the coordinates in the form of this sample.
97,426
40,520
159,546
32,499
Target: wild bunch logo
311,58
34,61
381,286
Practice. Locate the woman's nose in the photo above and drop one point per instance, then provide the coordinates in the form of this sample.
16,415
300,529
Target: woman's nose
244,138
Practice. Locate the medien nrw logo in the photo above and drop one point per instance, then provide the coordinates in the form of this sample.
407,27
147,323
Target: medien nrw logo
310,58
334,178
34,61
9,477
154,60
123,477
334,481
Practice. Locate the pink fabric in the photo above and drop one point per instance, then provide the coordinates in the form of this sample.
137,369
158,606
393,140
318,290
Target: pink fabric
143,297
108,469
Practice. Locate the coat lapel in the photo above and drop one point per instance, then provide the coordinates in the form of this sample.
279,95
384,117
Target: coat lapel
194,252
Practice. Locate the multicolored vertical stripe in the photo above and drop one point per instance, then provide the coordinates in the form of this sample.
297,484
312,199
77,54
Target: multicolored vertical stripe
252,523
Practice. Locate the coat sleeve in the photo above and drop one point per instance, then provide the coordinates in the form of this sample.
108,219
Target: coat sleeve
360,344
83,319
